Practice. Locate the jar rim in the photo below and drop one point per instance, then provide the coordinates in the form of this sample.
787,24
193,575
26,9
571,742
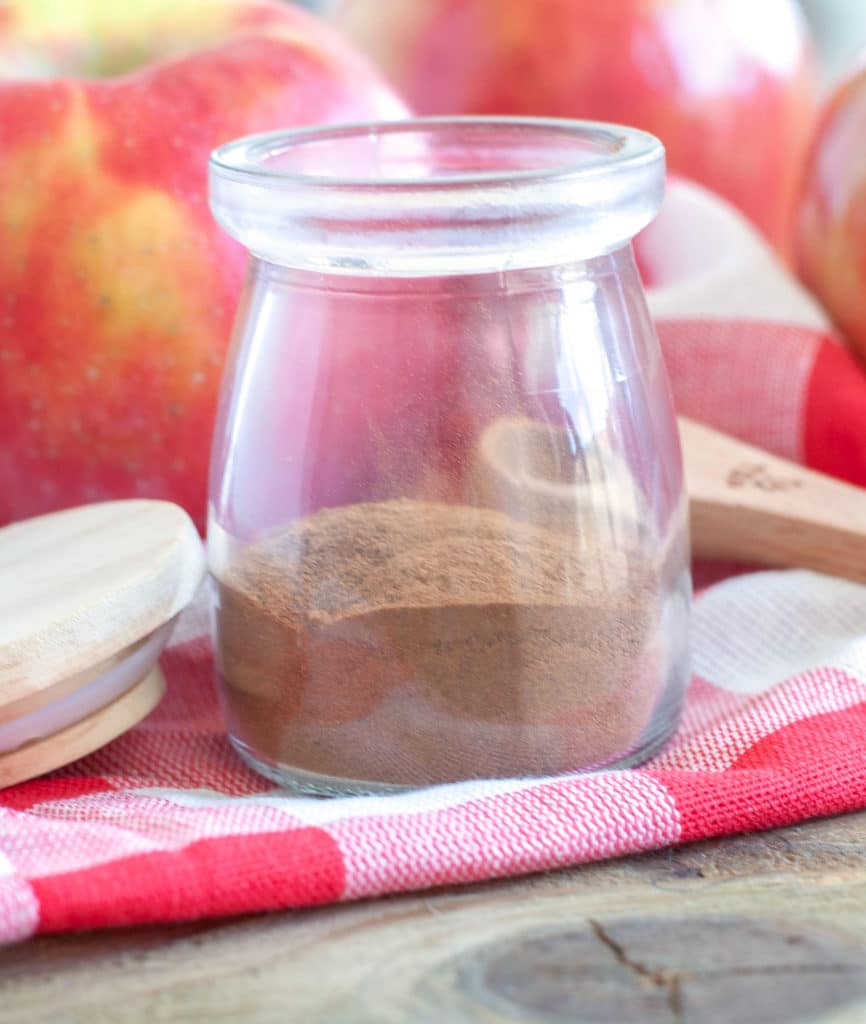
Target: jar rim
615,146
437,195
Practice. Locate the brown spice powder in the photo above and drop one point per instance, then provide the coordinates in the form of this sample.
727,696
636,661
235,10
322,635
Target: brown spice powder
410,642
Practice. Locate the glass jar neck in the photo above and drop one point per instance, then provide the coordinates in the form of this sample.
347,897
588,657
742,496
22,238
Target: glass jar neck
620,264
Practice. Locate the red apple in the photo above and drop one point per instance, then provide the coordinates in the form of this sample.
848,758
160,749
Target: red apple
831,222
728,85
117,288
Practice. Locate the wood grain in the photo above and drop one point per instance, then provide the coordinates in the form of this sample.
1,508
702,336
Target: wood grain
762,928
751,506
78,586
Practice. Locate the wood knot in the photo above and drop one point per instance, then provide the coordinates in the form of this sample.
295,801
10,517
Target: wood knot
643,971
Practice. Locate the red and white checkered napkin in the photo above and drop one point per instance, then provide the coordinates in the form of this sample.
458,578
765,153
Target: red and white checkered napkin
165,823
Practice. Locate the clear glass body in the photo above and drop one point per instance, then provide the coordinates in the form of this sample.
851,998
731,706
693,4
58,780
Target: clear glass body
447,526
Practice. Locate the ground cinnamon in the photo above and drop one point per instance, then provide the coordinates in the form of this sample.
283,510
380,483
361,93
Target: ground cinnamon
409,643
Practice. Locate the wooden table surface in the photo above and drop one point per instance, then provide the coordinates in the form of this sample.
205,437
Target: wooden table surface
759,928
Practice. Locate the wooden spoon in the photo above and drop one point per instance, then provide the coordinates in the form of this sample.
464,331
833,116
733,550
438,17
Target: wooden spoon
750,506
746,505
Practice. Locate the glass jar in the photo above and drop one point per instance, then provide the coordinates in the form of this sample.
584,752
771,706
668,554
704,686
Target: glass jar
447,525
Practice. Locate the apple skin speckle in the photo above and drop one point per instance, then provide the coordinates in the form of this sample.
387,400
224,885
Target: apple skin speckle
118,289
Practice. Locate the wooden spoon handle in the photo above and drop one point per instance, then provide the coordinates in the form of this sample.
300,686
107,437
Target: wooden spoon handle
751,506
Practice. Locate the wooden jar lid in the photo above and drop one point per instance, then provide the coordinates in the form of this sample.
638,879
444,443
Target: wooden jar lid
87,601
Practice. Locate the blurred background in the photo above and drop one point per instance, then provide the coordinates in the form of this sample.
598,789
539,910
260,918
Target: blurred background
110,111
840,32
839,27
